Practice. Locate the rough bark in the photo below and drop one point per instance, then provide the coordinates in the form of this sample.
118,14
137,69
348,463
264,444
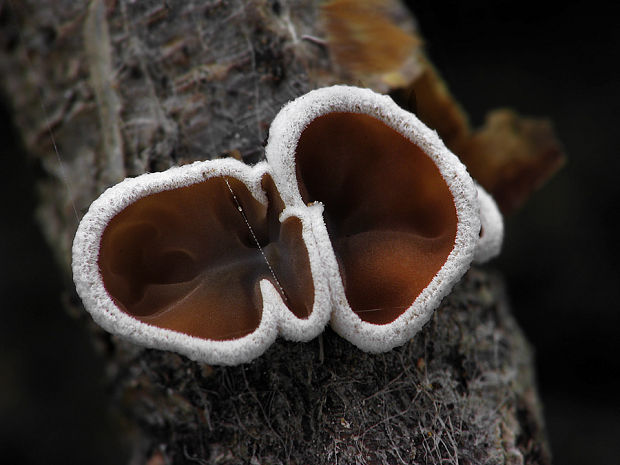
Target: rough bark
102,90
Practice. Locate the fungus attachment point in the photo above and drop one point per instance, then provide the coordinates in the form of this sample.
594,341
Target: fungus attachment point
361,215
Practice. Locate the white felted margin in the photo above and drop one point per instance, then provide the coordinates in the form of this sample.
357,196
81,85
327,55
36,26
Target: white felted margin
284,135
492,228
276,318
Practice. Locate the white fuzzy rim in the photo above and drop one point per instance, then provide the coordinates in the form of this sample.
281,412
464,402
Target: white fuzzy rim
284,135
276,318
492,228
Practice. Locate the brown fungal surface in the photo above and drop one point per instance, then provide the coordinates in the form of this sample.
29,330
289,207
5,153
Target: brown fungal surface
185,259
389,212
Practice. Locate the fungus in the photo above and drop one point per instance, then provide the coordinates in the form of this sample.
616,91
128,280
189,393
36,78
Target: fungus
360,214
401,211
204,259
491,228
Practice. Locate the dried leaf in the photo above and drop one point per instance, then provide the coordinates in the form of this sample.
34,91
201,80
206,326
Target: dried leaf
372,41
511,156
429,97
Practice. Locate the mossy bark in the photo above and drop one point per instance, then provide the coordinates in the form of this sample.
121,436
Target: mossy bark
102,90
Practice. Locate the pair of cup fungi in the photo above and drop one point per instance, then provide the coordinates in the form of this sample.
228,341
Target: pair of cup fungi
360,217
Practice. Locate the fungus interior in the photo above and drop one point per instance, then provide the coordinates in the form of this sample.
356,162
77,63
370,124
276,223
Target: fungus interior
388,210
185,259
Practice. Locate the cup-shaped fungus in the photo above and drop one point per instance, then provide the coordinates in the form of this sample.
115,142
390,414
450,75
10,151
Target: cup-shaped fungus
204,259
401,211
360,213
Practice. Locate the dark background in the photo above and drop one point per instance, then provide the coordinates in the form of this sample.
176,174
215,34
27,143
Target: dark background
560,258
561,252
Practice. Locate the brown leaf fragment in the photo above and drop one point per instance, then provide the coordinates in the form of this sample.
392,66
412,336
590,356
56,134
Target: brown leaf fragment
430,99
511,156
371,41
